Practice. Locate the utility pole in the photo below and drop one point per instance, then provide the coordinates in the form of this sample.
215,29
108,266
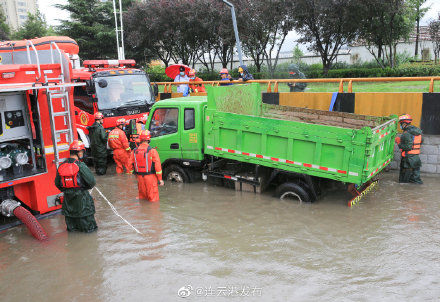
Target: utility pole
237,38
119,47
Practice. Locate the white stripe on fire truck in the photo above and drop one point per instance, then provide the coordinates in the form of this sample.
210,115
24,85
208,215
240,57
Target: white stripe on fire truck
282,160
61,147
30,72
48,71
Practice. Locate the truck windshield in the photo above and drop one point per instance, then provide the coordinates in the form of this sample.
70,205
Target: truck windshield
122,91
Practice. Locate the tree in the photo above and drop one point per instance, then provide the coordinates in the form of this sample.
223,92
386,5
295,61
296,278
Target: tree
35,26
297,54
434,32
4,27
419,12
92,25
382,24
326,25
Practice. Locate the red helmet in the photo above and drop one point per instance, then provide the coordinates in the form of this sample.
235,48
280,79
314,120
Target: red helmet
145,135
192,73
224,71
120,121
99,116
77,145
405,118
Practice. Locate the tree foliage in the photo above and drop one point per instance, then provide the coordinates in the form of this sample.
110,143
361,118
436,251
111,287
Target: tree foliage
434,32
418,12
326,25
92,25
383,23
4,27
35,26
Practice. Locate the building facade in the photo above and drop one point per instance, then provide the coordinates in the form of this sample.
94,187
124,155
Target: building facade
16,11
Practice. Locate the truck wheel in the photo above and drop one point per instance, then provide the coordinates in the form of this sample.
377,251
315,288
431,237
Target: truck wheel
289,190
175,173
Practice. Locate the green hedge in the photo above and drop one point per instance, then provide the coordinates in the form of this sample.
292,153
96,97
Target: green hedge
157,74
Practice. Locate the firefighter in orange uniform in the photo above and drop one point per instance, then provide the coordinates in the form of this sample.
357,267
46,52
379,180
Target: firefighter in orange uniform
140,125
195,87
147,168
117,140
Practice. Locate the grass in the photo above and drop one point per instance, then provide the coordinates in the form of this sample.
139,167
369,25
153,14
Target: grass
412,86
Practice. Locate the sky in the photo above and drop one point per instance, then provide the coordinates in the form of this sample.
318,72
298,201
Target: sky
53,14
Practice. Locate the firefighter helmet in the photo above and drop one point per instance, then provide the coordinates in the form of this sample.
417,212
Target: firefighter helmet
405,118
120,122
77,145
224,71
145,135
99,116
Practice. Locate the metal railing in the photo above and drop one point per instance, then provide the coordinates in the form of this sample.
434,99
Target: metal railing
276,82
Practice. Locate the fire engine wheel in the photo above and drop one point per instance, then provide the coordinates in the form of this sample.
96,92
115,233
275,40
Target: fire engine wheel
292,191
175,173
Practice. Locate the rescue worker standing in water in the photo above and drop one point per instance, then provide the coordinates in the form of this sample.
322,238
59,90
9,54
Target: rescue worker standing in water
98,144
147,168
117,140
409,142
74,179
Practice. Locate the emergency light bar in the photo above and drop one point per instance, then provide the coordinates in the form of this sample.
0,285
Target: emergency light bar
108,63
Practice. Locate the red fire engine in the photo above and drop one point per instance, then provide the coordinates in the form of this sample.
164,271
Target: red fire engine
114,88
36,127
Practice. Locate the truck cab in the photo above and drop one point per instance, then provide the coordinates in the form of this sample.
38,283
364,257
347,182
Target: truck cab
113,88
176,127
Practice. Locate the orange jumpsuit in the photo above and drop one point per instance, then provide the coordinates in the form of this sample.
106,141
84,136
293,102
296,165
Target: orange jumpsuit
197,87
147,184
117,140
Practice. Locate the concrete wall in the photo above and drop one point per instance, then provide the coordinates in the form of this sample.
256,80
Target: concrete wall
430,155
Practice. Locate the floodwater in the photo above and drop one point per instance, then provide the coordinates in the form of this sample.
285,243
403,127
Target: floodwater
218,244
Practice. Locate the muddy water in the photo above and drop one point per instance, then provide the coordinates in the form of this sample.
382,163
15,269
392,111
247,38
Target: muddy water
226,243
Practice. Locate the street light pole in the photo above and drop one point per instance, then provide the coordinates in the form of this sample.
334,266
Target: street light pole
120,48
237,38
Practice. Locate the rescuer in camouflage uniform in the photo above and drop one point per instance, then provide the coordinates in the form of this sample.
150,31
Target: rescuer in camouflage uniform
296,74
98,144
78,205
409,142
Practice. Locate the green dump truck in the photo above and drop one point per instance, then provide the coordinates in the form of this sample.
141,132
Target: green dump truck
232,135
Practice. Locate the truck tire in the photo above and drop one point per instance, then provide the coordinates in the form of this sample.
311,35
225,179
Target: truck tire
293,191
175,173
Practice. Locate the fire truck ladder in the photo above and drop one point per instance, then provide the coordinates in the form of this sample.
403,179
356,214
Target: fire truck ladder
60,93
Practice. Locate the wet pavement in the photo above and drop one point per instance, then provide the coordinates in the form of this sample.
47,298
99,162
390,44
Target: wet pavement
212,241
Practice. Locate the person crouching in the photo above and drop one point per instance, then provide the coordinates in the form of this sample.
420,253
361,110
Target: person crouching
147,168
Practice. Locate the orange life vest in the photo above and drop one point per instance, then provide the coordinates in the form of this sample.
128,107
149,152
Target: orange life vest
143,162
417,143
69,173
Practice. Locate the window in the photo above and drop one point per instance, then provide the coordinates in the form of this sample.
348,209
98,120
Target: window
21,3
190,122
82,100
21,10
164,121
23,17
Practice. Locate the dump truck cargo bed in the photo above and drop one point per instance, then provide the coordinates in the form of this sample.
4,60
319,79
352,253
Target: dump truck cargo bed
339,146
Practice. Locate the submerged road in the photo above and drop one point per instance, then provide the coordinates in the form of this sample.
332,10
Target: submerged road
214,243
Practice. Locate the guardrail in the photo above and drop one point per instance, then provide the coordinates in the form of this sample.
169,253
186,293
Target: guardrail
276,82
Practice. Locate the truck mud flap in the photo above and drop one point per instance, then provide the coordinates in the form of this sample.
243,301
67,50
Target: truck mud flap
358,195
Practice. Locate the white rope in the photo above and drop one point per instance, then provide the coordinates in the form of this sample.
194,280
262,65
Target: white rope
116,212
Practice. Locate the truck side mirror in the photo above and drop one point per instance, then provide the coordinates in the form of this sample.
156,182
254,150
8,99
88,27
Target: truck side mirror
89,87
155,90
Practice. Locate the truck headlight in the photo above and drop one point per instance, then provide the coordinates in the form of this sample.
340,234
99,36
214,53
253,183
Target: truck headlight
5,162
